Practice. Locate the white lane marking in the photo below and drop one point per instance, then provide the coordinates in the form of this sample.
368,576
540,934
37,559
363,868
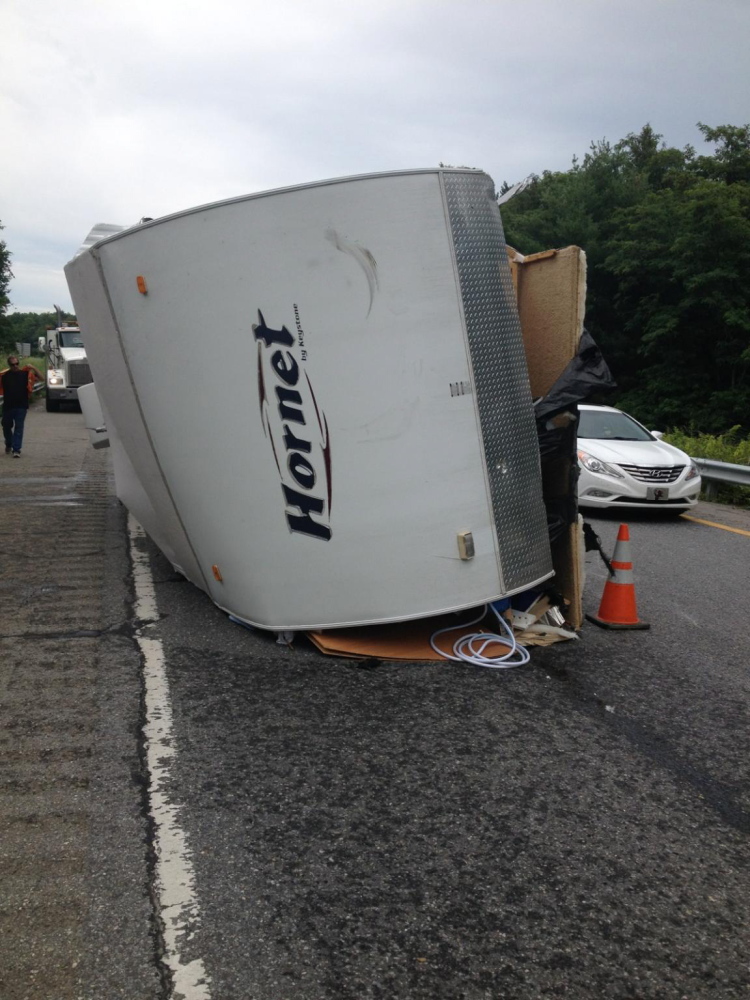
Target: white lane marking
175,877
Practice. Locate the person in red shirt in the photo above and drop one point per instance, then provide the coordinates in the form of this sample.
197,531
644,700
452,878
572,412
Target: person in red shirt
16,384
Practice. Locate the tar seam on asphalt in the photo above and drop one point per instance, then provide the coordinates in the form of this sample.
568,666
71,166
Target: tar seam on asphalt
129,629
715,794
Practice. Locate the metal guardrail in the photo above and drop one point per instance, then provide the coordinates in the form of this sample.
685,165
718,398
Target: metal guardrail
721,472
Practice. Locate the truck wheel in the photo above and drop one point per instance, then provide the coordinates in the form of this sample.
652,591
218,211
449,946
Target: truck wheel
53,405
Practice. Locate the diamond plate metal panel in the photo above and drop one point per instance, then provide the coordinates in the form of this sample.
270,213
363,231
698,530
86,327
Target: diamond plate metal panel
501,381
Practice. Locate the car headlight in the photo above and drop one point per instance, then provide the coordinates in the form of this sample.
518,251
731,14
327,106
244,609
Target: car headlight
55,377
692,472
596,465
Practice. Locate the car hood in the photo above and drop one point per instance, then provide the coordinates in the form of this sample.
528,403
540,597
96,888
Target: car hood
73,353
634,452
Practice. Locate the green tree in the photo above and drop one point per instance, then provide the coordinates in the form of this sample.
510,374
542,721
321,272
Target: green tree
5,278
730,162
667,237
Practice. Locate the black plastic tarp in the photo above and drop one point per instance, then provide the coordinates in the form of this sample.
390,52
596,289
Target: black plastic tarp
557,423
584,375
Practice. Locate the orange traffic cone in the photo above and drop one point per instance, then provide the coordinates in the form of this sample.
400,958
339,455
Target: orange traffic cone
617,609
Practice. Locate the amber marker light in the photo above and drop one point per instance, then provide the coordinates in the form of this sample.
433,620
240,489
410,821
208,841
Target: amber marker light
141,282
217,573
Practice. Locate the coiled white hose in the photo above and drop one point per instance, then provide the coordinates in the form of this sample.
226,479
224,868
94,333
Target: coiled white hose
470,648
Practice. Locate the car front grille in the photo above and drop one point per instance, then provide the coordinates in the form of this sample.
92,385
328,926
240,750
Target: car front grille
654,473
79,373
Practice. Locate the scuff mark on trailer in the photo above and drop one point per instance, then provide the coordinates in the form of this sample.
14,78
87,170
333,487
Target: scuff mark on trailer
362,256
389,425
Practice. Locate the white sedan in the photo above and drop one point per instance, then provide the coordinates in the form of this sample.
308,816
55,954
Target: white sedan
624,465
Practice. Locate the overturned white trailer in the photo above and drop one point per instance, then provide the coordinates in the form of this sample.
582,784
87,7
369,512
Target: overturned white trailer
318,398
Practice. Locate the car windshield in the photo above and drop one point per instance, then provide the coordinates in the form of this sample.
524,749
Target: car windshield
70,338
609,425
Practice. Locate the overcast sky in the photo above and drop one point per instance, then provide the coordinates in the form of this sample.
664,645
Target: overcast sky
115,109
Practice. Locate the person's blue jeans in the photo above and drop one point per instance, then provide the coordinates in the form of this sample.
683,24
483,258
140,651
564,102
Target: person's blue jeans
13,420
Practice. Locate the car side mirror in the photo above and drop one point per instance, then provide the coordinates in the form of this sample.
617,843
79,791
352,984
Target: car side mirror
658,435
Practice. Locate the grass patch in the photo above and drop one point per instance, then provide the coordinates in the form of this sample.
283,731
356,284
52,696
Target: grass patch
728,447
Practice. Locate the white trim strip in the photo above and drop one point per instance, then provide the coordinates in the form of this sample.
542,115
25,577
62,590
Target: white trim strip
175,877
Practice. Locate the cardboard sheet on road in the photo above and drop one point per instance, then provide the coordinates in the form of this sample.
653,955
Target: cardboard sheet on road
409,641
400,641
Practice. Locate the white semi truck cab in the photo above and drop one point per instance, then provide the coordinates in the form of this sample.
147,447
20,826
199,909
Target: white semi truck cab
67,365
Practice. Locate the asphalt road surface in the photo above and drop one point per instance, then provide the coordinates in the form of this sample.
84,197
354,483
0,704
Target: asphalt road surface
574,828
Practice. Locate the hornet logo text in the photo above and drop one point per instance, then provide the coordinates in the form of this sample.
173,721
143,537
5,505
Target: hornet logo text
296,429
